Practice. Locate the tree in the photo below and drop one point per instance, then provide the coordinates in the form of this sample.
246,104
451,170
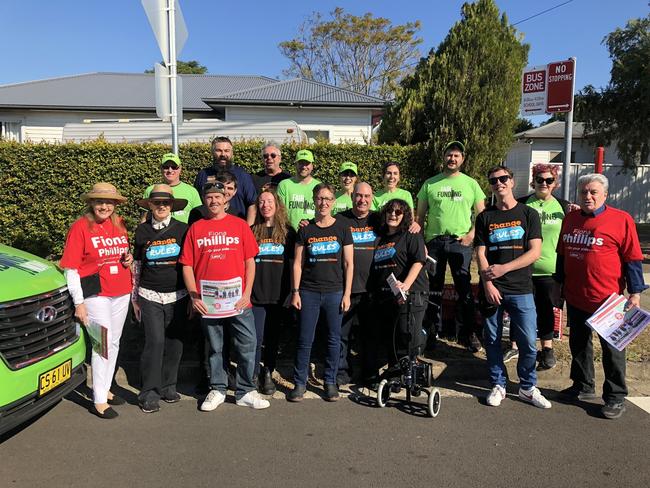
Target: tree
523,125
365,54
468,90
621,111
186,68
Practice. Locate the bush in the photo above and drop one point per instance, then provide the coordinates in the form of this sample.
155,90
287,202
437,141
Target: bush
41,184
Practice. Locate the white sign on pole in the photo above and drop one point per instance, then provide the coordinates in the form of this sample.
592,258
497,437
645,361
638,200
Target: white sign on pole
163,98
156,11
533,91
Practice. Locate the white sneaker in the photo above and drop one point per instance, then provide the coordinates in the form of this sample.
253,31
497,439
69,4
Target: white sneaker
254,400
535,397
495,397
213,400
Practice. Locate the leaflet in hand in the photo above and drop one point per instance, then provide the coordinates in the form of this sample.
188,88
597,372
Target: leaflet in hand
392,282
221,296
98,337
617,326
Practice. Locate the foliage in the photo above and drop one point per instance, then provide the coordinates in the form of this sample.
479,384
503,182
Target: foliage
41,184
365,54
621,111
523,125
579,107
186,68
468,90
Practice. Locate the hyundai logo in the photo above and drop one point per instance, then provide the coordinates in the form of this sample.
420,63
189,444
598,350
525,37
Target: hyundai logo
46,314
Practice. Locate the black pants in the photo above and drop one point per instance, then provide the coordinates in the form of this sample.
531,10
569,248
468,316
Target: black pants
164,328
353,328
446,250
582,359
547,293
268,322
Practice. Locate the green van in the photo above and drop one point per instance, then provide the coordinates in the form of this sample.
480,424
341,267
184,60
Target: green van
42,349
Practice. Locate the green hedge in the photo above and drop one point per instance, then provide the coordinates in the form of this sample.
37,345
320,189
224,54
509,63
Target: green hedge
40,184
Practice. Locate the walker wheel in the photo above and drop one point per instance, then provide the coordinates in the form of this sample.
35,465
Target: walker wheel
433,404
383,393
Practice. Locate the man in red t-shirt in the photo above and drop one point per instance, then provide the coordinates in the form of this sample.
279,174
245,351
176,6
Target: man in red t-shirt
598,252
218,270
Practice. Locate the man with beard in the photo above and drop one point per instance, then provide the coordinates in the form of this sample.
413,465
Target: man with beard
445,204
272,174
296,192
243,202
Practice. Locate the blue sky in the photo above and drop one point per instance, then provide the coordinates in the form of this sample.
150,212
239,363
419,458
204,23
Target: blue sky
43,39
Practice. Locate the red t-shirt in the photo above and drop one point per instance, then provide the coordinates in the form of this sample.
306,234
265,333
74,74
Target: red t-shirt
90,247
216,249
594,250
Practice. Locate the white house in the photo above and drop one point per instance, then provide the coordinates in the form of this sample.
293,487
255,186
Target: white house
629,190
39,110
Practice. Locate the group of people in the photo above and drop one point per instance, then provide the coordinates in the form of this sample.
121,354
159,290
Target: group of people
238,249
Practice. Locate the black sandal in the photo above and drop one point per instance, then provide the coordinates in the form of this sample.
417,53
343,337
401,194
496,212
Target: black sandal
116,400
109,413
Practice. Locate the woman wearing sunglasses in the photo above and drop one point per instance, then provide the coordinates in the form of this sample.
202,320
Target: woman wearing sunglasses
402,254
159,296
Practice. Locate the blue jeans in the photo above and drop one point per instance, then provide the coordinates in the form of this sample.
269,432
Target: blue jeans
312,303
244,341
523,329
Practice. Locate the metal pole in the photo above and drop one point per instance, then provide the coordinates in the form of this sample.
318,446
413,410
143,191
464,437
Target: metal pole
568,134
172,72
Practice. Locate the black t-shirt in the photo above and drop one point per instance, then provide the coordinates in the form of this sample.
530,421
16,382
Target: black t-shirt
272,271
505,234
158,252
396,254
363,237
261,178
322,268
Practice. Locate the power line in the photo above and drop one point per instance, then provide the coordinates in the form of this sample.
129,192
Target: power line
542,12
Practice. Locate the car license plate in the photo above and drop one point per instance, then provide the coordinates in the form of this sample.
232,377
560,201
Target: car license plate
54,377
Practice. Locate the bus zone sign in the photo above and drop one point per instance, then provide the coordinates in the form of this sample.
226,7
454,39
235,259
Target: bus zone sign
547,89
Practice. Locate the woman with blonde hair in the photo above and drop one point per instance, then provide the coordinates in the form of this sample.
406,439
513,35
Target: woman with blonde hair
96,260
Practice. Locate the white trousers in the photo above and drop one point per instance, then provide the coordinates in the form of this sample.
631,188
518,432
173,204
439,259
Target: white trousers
111,313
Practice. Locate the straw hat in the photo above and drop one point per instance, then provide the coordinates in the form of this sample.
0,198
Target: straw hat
163,192
104,191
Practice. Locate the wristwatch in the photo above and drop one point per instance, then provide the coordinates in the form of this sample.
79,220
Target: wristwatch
295,290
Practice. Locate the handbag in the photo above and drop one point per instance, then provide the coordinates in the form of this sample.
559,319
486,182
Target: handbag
90,285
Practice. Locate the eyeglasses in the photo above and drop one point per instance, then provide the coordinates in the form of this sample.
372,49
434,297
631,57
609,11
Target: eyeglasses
162,203
269,155
549,181
324,199
173,167
347,174
500,179
395,211
213,184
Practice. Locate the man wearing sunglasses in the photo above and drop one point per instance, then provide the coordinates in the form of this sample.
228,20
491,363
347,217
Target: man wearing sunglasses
508,241
170,166
445,204
272,174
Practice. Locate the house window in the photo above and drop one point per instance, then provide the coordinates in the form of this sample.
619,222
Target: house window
558,156
10,131
317,136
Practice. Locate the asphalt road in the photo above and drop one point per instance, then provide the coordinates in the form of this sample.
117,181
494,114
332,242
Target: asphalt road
350,443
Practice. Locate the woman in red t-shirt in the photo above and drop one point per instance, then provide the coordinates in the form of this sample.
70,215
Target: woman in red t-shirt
96,260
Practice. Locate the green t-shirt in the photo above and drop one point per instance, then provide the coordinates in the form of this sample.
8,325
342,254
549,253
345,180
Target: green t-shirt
189,193
382,197
298,199
450,201
551,215
343,202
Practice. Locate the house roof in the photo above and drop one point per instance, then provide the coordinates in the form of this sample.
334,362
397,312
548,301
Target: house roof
298,92
135,92
554,130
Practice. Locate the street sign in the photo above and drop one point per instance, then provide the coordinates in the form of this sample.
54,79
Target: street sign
533,91
561,77
156,11
163,94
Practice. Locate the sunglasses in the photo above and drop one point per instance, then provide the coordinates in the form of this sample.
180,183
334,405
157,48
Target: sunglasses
500,179
269,155
395,211
348,174
162,203
170,166
213,184
549,181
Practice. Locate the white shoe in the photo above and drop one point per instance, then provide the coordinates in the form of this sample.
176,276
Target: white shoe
254,400
213,400
495,397
534,397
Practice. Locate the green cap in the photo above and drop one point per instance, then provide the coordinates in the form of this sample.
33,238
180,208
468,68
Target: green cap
304,155
457,144
349,166
170,157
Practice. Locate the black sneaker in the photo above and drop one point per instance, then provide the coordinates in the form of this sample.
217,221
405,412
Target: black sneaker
172,397
575,393
297,394
612,409
265,383
343,378
546,358
149,406
510,354
331,393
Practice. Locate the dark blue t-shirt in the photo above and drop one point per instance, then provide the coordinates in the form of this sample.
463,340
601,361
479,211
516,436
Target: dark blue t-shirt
246,192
